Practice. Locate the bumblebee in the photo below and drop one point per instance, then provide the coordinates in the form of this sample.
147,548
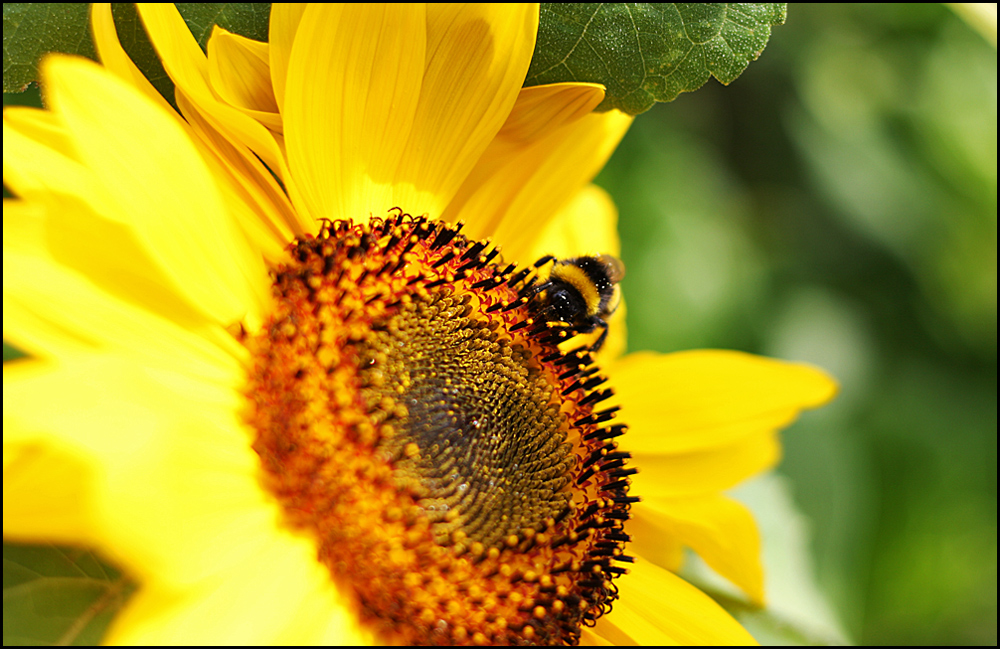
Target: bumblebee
582,292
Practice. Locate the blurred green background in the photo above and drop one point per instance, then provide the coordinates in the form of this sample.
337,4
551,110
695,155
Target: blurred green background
837,205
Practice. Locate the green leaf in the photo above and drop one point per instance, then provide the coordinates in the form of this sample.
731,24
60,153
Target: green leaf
11,353
58,595
248,19
31,30
644,53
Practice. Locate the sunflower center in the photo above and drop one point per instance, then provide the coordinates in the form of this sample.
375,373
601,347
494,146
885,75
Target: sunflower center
414,412
477,438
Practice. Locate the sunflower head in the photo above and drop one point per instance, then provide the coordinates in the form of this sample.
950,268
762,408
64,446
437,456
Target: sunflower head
413,410
294,421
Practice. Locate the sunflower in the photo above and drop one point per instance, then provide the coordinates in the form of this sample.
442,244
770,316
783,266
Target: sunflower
163,269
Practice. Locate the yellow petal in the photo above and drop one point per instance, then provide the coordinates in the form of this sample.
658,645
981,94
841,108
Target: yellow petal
586,225
40,127
541,109
477,58
721,530
114,58
272,221
39,160
62,259
590,638
38,508
175,495
687,401
163,191
35,321
254,197
280,594
537,114
353,82
514,192
33,333
705,471
284,23
238,69
656,607
187,66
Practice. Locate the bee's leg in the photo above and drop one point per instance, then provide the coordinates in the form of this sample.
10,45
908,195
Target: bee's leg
518,277
603,326
532,288
544,260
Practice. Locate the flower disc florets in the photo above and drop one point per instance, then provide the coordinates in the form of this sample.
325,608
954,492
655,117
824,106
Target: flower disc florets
414,411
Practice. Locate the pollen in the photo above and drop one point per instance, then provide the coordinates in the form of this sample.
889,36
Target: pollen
415,413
